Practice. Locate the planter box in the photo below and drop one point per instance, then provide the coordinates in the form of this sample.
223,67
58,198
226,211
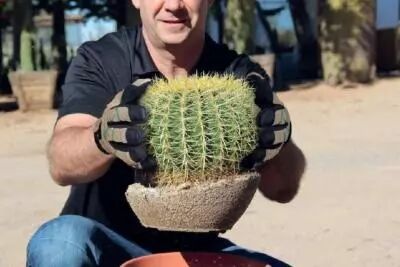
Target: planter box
213,206
34,89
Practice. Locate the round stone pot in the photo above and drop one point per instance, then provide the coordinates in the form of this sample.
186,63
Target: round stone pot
211,206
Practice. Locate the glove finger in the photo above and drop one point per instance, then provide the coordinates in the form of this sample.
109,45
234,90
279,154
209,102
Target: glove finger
276,115
138,153
239,66
266,117
131,113
132,156
266,137
271,153
254,158
134,91
135,136
149,164
282,134
273,136
263,91
281,116
116,115
125,157
115,135
132,136
138,114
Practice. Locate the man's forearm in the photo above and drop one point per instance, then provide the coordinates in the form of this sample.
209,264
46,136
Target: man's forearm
280,177
74,157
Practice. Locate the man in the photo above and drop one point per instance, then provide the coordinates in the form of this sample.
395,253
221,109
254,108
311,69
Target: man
97,227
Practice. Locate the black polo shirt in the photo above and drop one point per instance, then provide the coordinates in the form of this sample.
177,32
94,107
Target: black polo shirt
100,69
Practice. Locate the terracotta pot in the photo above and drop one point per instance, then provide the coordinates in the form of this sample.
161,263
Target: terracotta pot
34,89
177,259
213,206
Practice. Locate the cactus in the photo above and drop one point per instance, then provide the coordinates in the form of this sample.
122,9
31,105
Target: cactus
26,51
239,21
348,41
200,127
32,55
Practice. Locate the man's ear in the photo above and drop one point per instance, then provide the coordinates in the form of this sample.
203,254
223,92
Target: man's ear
136,3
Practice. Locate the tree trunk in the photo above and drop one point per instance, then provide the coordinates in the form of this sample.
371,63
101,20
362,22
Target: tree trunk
308,43
1,54
59,44
21,19
347,41
238,24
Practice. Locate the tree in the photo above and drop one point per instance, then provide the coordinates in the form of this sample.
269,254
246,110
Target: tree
5,14
347,40
122,11
238,24
21,20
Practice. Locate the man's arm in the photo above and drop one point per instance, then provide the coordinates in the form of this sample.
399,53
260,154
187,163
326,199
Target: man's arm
72,152
280,176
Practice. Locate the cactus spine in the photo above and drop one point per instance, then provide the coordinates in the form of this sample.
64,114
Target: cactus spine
200,127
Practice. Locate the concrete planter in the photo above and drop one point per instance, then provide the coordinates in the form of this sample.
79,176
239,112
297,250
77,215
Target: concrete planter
215,206
34,89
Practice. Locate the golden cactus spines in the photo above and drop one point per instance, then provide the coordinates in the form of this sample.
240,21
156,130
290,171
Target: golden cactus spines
200,127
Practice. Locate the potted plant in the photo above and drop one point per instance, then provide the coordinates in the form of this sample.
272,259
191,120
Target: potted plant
33,86
199,129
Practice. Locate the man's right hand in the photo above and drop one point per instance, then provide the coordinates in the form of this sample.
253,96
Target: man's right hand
118,131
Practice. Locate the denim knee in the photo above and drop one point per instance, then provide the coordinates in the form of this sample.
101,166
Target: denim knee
62,242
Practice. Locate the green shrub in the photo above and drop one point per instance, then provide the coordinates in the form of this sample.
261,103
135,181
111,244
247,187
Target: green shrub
200,127
26,51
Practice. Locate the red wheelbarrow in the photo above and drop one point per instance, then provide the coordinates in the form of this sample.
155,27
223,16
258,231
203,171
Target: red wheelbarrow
193,259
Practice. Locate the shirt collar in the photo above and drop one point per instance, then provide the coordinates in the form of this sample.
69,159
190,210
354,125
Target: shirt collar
144,65
205,63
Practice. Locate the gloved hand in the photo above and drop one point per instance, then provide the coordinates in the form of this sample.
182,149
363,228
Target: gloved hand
118,132
273,119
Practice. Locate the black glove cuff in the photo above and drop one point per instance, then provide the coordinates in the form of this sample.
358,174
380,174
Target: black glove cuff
97,137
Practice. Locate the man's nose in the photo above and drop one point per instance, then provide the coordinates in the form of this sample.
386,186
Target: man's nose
173,5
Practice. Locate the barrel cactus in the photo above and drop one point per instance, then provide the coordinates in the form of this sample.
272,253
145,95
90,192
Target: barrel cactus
199,127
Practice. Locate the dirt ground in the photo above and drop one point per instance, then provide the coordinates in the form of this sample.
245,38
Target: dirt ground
347,211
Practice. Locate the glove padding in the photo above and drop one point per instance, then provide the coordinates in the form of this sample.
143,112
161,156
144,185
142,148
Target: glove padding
273,121
118,132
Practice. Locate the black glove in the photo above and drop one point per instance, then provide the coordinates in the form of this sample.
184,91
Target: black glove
118,132
273,119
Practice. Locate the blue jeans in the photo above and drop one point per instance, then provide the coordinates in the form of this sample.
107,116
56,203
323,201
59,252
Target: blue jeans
72,240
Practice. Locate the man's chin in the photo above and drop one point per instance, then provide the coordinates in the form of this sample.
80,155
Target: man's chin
174,38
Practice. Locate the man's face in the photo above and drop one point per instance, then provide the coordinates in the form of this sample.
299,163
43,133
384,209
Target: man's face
169,22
